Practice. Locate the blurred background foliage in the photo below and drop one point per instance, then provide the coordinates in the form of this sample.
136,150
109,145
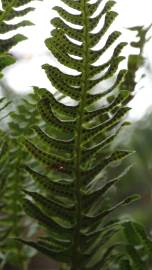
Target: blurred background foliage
138,137
139,179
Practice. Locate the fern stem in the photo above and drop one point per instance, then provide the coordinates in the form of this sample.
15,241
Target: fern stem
78,135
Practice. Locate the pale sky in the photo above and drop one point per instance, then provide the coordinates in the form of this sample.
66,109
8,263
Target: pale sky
33,53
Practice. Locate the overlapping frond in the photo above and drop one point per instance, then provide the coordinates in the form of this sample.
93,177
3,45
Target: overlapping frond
4,160
137,60
74,146
137,251
11,9
13,180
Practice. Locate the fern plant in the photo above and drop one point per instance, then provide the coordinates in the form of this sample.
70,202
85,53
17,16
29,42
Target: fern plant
4,150
3,147
10,11
74,143
139,247
10,211
136,61
14,224
141,34
135,248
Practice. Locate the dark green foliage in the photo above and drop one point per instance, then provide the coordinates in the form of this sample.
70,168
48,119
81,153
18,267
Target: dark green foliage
136,61
138,135
11,222
139,247
71,146
74,145
13,180
4,143
142,33
4,153
8,13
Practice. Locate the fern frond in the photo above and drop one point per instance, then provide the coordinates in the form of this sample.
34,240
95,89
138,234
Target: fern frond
74,144
4,160
136,61
142,33
10,11
12,221
139,247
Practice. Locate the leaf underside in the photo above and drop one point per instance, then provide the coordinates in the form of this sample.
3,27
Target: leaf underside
74,144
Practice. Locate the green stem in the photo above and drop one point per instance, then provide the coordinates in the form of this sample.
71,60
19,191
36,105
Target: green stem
78,136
